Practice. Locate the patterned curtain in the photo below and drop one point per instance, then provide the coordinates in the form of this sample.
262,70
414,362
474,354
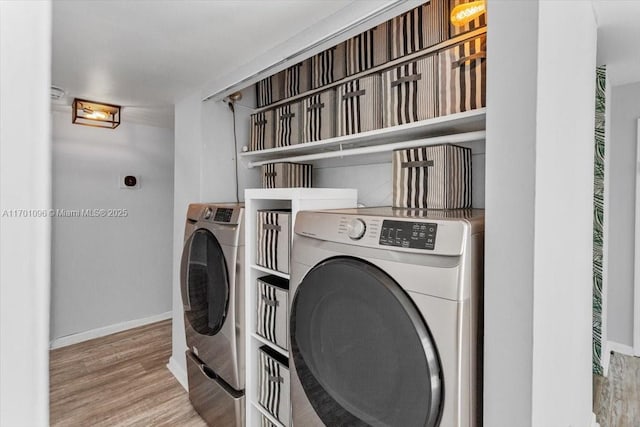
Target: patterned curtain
598,217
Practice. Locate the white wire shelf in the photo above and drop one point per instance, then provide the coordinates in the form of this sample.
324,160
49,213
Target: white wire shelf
455,128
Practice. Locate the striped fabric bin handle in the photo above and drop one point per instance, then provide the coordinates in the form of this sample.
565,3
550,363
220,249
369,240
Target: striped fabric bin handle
260,122
271,174
270,302
405,79
315,106
424,164
285,116
272,227
275,379
461,61
353,94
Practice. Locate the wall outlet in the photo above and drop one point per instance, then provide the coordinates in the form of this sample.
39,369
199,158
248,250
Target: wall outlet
130,182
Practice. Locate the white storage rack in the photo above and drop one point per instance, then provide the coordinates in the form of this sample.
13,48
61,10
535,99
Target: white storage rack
296,199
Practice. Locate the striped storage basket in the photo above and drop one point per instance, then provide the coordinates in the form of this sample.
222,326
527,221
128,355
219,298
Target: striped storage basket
409,92
287,125
261,130
418,29
328,66
273,304
367,50
433,177
269,90
319,116
273,239
286,175
479,22
296,79
273,384
359,106
462,76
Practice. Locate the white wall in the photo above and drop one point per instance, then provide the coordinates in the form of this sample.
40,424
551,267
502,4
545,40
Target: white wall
563,280
509,229
538,286
621,146
25,180
110,270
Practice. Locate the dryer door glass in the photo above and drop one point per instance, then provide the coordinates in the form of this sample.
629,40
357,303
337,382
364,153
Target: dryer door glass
361,350
205,285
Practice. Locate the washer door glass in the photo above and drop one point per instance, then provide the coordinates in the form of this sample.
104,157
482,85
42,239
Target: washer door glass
362,352
205,284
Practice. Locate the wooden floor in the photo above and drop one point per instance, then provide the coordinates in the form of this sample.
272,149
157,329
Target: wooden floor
119,380
616,398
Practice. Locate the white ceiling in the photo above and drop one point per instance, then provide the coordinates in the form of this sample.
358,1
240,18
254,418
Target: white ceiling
618,36
147,54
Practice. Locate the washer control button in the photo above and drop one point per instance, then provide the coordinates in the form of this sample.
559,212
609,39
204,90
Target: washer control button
356,229
207,213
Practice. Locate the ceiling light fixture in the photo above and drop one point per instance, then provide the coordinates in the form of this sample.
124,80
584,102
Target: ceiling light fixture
464,13
96,114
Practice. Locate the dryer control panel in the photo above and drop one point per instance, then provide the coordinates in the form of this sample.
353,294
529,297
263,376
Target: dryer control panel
405,234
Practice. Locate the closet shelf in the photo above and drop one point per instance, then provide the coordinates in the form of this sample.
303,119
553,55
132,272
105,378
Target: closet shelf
270,271
257,337
455,128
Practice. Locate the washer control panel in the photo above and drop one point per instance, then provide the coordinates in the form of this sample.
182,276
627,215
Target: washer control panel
407,234
356,229
223,215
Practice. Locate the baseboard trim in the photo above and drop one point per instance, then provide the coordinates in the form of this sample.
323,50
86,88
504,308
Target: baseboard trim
627,350
178,372
107,330
594,423
619,348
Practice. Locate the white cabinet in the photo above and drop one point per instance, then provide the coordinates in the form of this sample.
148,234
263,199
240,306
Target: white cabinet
296,199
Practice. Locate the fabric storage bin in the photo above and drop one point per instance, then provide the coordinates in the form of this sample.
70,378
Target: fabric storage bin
359,106
318,116
269,90
273,239
432,177
287,118
273,305
261,130
296,79
409,92
273,384
286,175
479,22
328,66
418,29
367,50
462,76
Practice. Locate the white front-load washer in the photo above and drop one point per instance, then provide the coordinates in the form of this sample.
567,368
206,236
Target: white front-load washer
385,318
212,287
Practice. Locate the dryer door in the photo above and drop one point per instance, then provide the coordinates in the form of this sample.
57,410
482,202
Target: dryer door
204,283
361,350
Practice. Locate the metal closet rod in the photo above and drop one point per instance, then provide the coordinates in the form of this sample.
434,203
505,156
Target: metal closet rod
455,138
302,52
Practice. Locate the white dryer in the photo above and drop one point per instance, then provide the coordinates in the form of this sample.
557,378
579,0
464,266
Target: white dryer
212,287
385,319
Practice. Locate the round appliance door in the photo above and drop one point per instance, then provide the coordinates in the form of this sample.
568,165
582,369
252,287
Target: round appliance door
362,351
204,283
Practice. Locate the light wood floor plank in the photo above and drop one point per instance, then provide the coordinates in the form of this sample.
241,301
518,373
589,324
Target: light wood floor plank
617,397
119,380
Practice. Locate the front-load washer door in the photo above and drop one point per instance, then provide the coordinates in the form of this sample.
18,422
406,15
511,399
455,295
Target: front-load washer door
208,309
362,352
205,284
